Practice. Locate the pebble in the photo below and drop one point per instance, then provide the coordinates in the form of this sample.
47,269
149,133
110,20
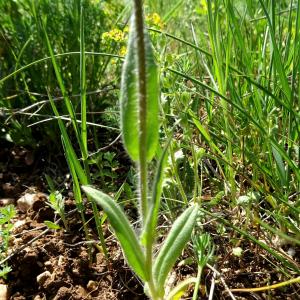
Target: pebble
92,285
19,223
7,201
3,292
26,202
43,277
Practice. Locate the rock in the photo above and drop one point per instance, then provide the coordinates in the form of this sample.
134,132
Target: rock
92,285
63,293
7,201
19,223
81,293
38,297
41,279
60,261
32,200
48,263
26,202
3,292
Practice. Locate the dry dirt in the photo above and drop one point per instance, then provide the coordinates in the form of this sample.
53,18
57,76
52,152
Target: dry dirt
59,264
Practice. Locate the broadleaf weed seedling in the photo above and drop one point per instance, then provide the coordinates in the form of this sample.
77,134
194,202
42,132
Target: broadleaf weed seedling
6,214
204,250
56,201
140,127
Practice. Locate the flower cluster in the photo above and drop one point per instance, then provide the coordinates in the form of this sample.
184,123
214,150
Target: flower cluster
154,20
115,34
120,36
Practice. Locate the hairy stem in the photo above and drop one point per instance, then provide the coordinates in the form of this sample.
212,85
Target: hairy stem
141,63
142,94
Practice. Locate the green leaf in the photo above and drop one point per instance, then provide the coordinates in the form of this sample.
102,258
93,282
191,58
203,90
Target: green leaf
129,99
68,147
51,225
124,232
178,291
204,133
4,271
280,166
177,238
50,183
7,213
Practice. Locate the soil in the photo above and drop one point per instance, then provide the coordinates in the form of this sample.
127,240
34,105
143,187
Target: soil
60,264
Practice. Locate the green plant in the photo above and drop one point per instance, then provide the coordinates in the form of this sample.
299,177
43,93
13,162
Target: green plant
22,96
7,213
140,126
57,202
204,250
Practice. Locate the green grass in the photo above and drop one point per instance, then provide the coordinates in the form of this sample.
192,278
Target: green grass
230,104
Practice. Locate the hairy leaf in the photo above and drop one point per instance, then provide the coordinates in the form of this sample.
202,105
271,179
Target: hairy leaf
129,98
177,238
124,232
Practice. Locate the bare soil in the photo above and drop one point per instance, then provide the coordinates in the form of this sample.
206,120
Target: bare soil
59,264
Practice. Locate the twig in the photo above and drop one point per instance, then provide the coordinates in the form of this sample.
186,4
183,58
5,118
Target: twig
212,287
69,119
223,281
23,247
47,101
81,243
105,147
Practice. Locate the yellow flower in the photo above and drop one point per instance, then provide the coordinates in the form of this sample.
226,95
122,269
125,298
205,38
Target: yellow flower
123,51
154,20
116,35
203,9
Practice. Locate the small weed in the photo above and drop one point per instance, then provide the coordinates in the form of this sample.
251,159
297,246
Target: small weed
7,213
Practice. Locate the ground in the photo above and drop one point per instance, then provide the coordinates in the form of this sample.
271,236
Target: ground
59,264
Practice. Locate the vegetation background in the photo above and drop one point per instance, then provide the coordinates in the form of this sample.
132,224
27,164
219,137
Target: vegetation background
229,78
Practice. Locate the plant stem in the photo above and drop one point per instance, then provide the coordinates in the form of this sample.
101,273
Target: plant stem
141,63
142,94
83,135
197,284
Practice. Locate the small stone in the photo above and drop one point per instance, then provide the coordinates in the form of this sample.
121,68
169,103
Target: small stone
7,201
26,202
38,297
41,279
92,285
80,292
60,261
63,293
48,263
3,292
19,223
76,272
